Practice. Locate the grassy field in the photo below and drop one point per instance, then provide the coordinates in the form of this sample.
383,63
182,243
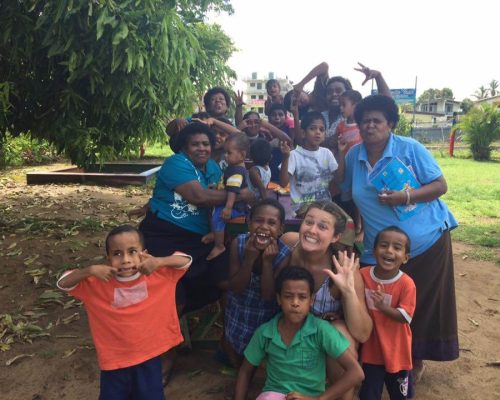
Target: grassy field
474,198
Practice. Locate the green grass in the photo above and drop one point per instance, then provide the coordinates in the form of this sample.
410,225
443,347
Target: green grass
158,150
474,198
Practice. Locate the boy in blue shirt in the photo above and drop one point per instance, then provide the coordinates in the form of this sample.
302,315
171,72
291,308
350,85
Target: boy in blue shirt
295,345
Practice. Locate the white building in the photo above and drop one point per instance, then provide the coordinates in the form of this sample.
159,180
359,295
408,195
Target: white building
256,94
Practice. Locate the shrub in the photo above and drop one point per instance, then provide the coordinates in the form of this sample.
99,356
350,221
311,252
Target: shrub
481,126
24,150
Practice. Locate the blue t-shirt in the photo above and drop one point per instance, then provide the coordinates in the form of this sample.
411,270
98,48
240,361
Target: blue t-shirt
423,228
170,205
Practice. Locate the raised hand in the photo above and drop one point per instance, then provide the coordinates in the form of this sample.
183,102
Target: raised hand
238,98
285,149
369,73
346,267
148,263
378,297
103,272
270,251
251,252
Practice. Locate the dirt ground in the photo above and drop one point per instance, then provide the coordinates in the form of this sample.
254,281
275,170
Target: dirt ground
45,348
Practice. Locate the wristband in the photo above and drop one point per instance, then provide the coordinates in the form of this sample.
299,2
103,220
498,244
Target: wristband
408,197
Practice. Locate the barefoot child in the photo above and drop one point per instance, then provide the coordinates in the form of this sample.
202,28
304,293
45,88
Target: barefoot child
295,345
235,178
391,298
260,173
130,304
254,258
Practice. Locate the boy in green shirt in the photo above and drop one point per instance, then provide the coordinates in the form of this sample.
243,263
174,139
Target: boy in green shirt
295,345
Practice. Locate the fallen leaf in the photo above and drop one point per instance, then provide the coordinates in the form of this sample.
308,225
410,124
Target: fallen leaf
14,359
475,323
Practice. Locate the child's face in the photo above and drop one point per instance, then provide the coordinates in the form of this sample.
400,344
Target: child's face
295,300
317,231
390,253
346,107
220,139
274,89
266,225
232,154
253,125
314,134
277,118
124,253
333,93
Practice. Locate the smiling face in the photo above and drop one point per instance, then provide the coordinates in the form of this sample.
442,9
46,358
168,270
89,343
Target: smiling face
317,231
333,93
253,125
217,106
390,253
124,253
266,225
314,134
274,89
295,300
198,149
374,128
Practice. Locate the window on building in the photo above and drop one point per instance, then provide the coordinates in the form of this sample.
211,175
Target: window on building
261,97
254,75
252,84
261,110
259,85
253,97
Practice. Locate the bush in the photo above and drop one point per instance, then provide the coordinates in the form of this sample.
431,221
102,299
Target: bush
481,127
24,150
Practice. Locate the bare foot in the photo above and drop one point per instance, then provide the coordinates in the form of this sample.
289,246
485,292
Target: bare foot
167,364
216,251
208,238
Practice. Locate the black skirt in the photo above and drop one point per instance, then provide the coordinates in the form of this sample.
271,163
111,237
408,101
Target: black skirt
200,285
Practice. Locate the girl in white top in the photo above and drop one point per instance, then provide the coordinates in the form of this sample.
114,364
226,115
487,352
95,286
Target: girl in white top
260,173
309,168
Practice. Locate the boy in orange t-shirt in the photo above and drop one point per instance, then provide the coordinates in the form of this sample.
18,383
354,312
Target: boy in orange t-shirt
391,298
131,310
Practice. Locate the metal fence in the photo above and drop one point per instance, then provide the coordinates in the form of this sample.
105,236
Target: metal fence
432,135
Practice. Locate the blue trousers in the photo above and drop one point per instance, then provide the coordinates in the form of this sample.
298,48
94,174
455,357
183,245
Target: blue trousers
138,382
375,377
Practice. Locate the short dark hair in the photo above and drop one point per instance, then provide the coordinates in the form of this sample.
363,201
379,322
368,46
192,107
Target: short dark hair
293,274
310,117
331,208
247,114
213,91
241,140
270,82
394,228
271,203
201,115
377,102
344,81
353,95
261,152
179,141
276,106
123,229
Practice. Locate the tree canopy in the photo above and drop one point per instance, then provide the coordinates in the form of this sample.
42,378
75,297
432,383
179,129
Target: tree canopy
432,94
97,78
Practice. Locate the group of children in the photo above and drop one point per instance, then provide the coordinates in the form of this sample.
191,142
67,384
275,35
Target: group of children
130,301
123,298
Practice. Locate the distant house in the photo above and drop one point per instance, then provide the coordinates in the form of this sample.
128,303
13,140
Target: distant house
439,106
256,94
489,100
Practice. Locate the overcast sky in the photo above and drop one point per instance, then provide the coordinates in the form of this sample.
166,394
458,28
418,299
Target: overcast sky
443,42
